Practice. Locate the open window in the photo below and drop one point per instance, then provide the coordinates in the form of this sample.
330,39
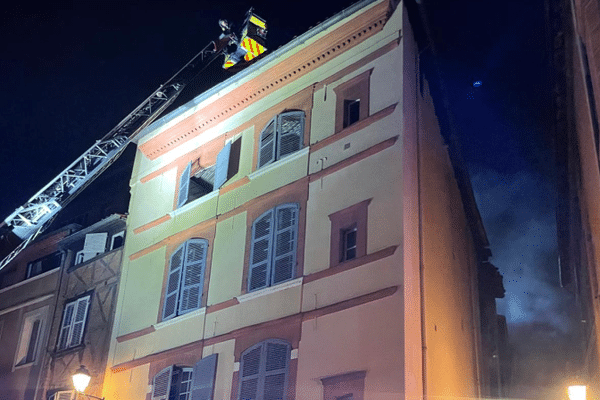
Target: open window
43,264
196,180
185,383
62,395
117,240
73,323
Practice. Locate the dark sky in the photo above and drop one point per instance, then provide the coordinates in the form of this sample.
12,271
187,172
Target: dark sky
70,71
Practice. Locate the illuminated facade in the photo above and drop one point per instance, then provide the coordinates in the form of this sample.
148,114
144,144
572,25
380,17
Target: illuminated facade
577,87
298,232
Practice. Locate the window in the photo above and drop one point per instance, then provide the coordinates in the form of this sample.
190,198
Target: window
31,336
197,181
73,323
352,104
117,240
283,135
62,395
348,245
94,244
264,370
349,233
274,242
184,383
350,386
186,278
43,264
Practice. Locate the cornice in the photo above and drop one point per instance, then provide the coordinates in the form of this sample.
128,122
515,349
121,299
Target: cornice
292,68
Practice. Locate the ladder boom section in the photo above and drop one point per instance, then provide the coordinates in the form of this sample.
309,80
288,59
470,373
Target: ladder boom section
27,220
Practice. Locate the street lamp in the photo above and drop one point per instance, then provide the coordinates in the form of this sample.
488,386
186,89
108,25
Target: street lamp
577,392
81,380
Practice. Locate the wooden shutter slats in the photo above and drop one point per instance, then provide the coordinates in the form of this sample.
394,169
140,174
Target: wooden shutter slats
172,292
203,378
266,153
184,185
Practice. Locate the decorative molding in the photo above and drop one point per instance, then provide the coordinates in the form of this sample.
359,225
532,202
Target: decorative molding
271,289
363,123
354,159
179,318
28,280
292,68
152,224
277,164
135,334
343,305
351,264
26,303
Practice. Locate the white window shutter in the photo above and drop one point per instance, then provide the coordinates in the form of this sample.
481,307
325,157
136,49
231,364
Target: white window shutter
260,254
64,395
222,166
172,291
193,275
203,378
94,244
79,318
266,152
290,132
286,240
65,328
161,384
277,355
250,374
184,186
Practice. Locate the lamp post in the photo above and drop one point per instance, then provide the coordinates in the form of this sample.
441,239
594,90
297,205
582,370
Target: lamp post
81,380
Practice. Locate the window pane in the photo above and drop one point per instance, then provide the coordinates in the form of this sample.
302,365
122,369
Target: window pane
351,112
35,330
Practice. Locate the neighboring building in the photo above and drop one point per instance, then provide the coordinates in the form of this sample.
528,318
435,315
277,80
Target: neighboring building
28,297
58,296
576,62
81,327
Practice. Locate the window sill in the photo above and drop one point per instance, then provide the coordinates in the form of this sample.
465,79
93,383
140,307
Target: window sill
28,280
274,165
192,204
179,318
271,289
24,365
68,350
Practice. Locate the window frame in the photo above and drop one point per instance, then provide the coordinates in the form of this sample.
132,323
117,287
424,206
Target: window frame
272,239
84,301
353,90
262,367
120,234
179,273
40,260
24,347
274,145
348,219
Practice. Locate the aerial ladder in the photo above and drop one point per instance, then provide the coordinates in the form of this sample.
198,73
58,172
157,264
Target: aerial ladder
33,217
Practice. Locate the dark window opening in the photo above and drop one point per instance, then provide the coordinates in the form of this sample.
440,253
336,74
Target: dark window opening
348,245
43,264
33,341
201,183
351,112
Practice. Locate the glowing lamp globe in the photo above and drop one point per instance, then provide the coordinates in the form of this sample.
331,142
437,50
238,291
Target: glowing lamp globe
577,392
81,379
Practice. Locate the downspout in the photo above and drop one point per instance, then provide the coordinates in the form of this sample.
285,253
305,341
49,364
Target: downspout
420,236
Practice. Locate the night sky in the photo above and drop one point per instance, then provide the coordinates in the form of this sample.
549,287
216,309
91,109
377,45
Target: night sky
70,71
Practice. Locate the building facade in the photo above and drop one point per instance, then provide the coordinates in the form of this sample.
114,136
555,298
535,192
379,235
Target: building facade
28,298
576,62
299,232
